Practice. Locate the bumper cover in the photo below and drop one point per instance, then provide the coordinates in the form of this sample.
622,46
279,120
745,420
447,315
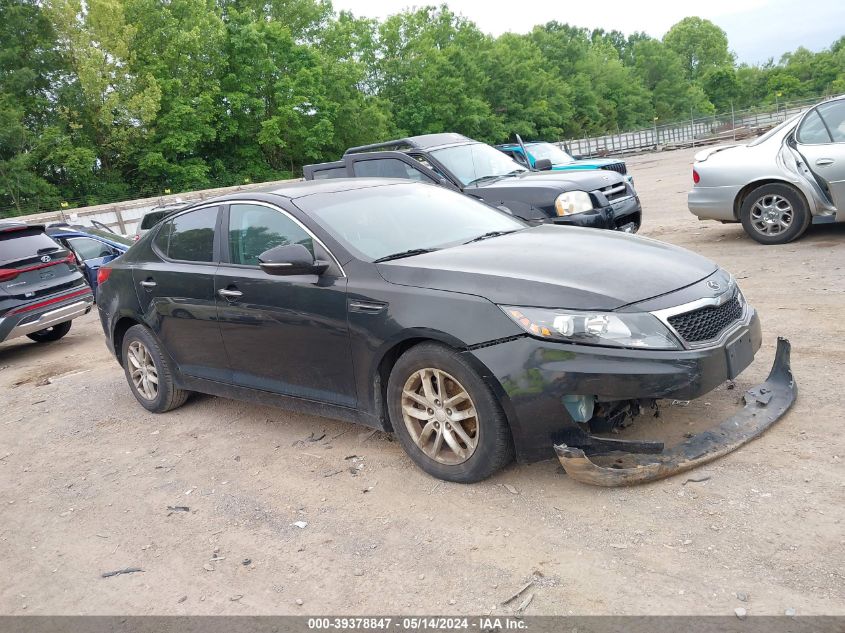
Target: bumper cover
713,203
764,405
533,376
58,311
622,215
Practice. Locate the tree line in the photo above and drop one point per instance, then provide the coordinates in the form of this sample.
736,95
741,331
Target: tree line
103,100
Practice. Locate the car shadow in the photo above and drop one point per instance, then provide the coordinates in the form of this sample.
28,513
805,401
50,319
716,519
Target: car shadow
818,235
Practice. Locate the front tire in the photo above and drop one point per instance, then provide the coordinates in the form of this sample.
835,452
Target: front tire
52,333
774,214
148,372
445,416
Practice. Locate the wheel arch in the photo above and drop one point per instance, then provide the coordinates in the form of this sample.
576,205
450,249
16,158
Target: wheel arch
121,326
390,352
751,186
396,348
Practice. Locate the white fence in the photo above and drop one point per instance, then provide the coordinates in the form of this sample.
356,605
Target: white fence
123,217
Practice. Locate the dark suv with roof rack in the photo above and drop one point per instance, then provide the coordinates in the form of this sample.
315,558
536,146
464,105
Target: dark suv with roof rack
596,198
41,286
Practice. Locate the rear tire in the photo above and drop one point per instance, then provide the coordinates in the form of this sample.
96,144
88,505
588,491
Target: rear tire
445,416
52,333
774,214
149,373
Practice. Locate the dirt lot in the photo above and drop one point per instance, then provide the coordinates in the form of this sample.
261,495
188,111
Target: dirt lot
88,476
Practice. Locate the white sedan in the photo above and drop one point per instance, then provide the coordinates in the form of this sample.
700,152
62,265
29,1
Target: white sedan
779,183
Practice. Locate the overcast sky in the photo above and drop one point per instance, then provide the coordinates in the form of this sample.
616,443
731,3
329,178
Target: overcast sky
757,29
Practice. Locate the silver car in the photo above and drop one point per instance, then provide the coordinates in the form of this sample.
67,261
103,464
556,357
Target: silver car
779,183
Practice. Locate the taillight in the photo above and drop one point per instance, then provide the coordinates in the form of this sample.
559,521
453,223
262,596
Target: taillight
7,274
695,176
103,274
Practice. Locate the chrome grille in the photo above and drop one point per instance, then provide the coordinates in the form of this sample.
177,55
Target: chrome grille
615,192
707,323
620,167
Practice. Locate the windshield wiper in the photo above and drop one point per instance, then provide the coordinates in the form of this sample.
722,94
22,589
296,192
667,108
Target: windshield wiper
408,253
487,177
489,235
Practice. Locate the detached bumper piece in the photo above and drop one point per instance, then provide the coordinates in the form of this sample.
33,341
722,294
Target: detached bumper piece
764,405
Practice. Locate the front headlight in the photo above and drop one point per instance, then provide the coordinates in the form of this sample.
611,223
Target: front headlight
610,329
573,202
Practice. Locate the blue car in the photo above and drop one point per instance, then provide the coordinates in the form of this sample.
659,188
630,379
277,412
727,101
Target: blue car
93,247
561,160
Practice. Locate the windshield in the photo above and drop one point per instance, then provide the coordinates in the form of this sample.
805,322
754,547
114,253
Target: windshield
477,161
378,221
790,121
539,151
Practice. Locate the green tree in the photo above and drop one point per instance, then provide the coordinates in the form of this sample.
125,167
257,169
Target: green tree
429,70
721,86
530,100
110,107
29,64
701,45
662,72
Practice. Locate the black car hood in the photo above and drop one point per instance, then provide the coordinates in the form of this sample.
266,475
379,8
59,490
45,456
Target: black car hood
584,180
555,267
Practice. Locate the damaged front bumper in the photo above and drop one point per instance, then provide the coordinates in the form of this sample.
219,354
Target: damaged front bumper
764,405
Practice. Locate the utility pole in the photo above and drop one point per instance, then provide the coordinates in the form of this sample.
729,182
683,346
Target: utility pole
656,139
733,119
692,123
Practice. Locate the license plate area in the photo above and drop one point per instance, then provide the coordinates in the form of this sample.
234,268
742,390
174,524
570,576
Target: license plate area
740,353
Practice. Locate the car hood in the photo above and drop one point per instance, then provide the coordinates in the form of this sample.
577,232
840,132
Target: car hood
591,163
555,267
556,181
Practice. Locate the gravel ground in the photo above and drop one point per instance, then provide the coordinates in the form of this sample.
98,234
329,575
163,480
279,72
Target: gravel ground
292,514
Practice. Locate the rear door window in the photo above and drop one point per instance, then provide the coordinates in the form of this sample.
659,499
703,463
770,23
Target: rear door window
23,244
834,116
189,236
388,168
813,130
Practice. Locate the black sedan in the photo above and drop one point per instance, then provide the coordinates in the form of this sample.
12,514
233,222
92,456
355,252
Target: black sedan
411,308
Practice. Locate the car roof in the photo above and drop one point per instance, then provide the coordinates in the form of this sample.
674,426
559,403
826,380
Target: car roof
296,190
12,225
423,141
526,143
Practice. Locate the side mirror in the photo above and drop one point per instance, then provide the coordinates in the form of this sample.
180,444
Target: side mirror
542,164
291,259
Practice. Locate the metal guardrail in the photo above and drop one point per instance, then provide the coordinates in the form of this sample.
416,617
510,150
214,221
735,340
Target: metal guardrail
724,126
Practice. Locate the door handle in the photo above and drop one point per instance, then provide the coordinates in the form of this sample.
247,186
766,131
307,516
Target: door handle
821,162
230,295
147,283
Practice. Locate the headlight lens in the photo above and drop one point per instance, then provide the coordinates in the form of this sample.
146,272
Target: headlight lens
635,329
573,202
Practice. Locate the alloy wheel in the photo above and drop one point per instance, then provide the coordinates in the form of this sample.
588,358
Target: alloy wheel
143,371
440,416
772,214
